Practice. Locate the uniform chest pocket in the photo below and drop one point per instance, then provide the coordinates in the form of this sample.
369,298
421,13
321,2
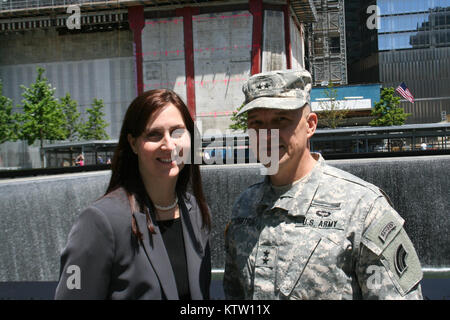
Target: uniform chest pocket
312,272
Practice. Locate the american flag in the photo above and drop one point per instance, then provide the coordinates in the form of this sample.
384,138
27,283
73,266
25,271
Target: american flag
404,92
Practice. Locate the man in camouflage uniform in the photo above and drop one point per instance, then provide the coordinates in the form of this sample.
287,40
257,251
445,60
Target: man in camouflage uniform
311,231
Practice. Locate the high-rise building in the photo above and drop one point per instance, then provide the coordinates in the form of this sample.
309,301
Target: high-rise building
361,42
410,44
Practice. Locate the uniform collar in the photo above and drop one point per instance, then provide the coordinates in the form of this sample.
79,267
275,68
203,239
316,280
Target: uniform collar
297,199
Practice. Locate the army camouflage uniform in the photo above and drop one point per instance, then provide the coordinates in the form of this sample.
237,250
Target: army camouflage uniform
330,235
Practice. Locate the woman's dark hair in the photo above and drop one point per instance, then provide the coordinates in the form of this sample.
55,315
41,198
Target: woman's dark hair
125,168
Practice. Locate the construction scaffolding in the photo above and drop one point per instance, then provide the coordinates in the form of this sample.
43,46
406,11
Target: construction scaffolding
327,53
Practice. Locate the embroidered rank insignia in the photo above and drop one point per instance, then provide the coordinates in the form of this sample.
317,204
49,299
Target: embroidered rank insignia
266,256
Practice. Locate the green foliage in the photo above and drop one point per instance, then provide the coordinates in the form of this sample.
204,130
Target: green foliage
331,114
42,117
72,124
387,111
94,128
8,119
239,122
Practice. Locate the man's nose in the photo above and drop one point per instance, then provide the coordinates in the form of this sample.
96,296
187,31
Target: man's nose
268,131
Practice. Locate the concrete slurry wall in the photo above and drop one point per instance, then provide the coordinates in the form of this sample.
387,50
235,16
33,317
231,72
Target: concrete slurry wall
297,47
47,45
163,55
274,50
38,213
222,61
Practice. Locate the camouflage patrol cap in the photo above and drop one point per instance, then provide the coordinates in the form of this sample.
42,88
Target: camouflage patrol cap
282,89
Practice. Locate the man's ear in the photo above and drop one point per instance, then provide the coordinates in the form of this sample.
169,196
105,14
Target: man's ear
132,142
311,120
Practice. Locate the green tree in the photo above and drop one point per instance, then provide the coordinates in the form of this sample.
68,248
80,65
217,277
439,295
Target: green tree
387,112
8,119
94,128
42,117
239,122
72,124
331,115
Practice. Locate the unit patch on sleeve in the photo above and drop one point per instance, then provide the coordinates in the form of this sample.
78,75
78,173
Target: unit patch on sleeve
400,260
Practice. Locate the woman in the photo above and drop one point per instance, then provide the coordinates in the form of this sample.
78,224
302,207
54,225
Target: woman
80,160
147,237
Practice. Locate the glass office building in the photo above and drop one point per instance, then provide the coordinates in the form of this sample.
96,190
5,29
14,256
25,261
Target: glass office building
411,45
413,24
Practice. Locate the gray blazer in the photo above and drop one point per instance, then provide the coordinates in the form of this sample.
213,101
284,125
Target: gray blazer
113,264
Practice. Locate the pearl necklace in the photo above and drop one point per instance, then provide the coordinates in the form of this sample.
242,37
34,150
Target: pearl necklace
169,207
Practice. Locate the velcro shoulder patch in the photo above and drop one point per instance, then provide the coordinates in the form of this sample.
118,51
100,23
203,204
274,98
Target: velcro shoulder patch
387,238
401,261
382,231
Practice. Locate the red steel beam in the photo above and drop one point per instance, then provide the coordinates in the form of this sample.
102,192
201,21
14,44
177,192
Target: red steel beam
256,9
187,14
137,23
287,35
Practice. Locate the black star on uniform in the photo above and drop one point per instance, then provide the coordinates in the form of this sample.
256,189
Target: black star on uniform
266,253
265,260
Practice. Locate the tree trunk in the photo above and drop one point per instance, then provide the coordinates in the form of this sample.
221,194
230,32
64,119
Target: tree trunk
41,152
